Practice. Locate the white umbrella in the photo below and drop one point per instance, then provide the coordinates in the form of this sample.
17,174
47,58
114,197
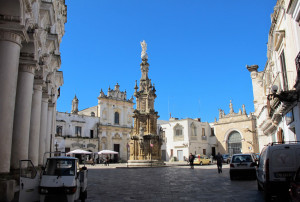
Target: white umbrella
107,152
79,151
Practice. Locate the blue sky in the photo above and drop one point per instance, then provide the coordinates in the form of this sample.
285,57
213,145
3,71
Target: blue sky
198,51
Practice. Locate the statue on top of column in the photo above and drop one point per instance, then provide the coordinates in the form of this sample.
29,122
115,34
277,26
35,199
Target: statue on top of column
144,54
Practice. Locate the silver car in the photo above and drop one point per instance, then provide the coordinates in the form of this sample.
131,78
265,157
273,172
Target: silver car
242,165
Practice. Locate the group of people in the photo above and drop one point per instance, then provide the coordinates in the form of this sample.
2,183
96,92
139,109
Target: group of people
218,157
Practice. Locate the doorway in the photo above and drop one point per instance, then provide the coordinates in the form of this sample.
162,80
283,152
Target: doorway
180,155
117,149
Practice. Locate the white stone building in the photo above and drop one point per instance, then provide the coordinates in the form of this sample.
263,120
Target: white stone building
185,136
30,37
107,125
276,88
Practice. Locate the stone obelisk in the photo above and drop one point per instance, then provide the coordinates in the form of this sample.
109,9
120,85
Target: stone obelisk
145,143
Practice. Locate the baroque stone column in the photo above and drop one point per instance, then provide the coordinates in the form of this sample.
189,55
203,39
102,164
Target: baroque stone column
43,127
22,114
10,46
49,135
35,123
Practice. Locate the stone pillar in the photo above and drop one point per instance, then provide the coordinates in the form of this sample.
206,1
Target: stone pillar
20,141
49,135
43,127
35,123
10,45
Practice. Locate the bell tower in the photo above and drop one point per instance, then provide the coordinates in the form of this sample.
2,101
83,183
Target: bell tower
145,143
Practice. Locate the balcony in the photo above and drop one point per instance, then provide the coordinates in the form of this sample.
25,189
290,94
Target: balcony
204,138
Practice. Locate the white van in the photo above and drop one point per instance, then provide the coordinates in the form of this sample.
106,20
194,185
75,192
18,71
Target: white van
277,164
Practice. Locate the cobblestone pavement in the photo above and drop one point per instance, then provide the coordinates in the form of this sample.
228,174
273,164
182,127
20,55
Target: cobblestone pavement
172,183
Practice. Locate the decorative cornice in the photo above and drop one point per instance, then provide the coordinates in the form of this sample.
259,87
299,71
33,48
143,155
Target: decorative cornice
10,18
30,68
10,36
37,87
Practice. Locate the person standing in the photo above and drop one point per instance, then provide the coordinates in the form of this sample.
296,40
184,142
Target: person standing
219,158
107,160
191,160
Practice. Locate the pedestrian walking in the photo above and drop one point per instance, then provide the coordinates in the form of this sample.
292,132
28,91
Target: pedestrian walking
219,158
191,160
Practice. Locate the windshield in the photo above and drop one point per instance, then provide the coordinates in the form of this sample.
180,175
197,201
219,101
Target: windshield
60,167
241,158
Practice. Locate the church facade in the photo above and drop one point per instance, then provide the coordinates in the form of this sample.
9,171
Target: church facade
107,125
236,132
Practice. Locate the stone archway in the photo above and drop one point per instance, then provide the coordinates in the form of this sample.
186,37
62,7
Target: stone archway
234,143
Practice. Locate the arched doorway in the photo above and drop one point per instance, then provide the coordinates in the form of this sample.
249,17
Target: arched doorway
234,143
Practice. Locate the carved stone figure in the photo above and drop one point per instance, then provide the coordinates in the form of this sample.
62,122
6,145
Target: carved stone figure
144,54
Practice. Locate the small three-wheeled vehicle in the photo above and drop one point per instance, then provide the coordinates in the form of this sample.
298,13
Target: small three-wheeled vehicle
61,179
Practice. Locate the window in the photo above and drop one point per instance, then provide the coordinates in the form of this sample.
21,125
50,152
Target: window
203,131
59,130
78,131
178,132
212,132
194,129
289,117
91,133
284,73
117,118
234,143
280,136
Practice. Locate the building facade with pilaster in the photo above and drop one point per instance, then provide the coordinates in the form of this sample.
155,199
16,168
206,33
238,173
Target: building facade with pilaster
185,136
30,37
276,88
235,132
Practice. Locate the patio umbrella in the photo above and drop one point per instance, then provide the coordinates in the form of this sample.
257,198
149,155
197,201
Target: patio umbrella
79,151
107,152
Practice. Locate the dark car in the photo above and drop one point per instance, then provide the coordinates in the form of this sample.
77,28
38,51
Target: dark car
226,158
294,190
242,165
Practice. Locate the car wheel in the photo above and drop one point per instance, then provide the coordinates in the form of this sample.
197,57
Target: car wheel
209,162
267,196
259,187
201,163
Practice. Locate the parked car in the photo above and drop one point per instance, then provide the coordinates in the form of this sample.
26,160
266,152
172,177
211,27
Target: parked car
226,158
242,165
294,190
201,160
278,163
